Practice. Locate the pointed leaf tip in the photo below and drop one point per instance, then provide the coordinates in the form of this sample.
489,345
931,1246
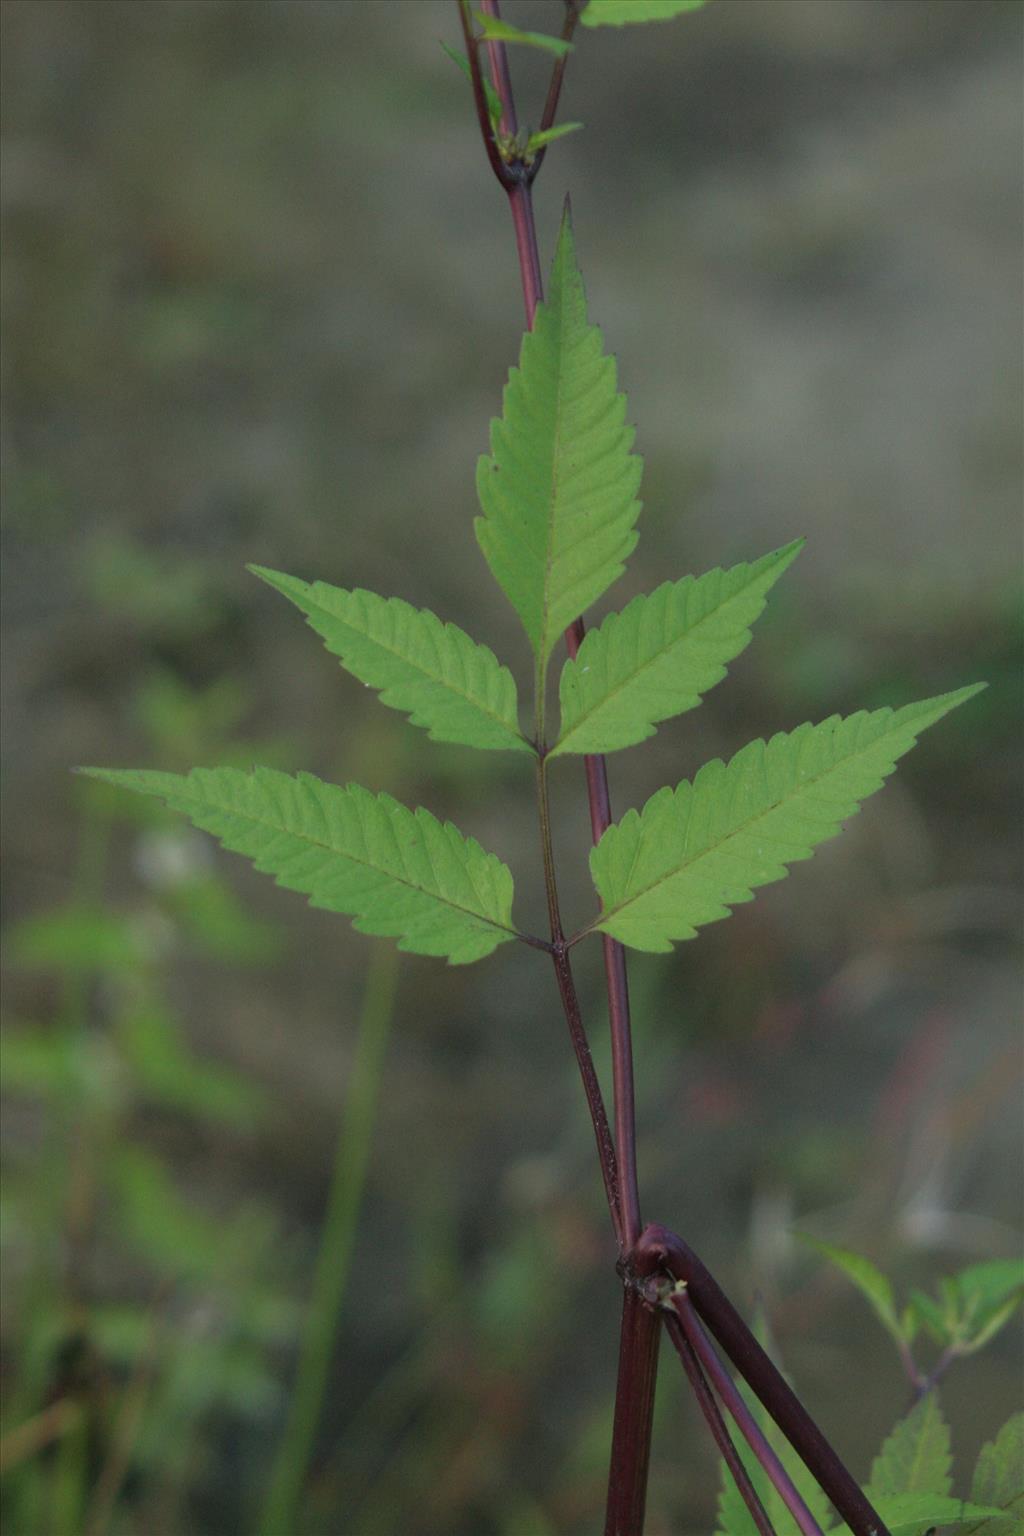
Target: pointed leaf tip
558,490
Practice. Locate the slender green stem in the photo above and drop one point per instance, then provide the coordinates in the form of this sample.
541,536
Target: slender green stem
334,1259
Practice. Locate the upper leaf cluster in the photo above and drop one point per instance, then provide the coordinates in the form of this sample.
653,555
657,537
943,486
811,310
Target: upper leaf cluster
558,495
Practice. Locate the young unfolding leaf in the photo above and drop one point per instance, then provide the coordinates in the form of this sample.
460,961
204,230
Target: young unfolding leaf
999,1478
494,108
695,852
549,135
875,1287
493,28
616,13
916,1457
660,654
399,873
558,490
447,683
982,1299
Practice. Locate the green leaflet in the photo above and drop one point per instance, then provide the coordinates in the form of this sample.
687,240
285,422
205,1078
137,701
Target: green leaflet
558,491
917,1514
444,681
660,654
916,1456
873,1285
616,13
694,852
999,1477
398,873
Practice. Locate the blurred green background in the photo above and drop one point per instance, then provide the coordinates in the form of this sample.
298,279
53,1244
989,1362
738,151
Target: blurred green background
260,296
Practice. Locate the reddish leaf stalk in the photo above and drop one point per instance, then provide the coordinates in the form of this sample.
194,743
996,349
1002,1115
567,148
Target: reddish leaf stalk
655,1247
660,1249
640,1334
572,16
708,1406
744,1420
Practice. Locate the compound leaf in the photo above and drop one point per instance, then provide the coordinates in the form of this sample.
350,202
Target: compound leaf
999,1477
616,13
558,490
695,852
867,1277
916,1457
660,654
398,873
447,683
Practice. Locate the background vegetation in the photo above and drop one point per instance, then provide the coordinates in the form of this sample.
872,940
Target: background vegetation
260,299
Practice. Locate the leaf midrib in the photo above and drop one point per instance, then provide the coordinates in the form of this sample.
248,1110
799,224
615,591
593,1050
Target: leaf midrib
546,644
315,842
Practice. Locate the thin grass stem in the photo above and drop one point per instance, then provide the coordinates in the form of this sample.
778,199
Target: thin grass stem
334,1260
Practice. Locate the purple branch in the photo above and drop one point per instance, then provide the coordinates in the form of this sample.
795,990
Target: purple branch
742,1416
705,1397
660,1249
639,1337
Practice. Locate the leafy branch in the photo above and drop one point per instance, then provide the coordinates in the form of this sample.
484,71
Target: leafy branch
558,493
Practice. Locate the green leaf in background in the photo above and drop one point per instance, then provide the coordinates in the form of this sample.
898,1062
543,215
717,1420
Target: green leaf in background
78,939
399,873
867,1277
616,13
914,1514
493,99
169,1074
695,852
986,1296
495,30
660,654
916,1456
447,683
38,1061
549,135
931,1317
558,491
973,1305
999,1478
169,1232
218,923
